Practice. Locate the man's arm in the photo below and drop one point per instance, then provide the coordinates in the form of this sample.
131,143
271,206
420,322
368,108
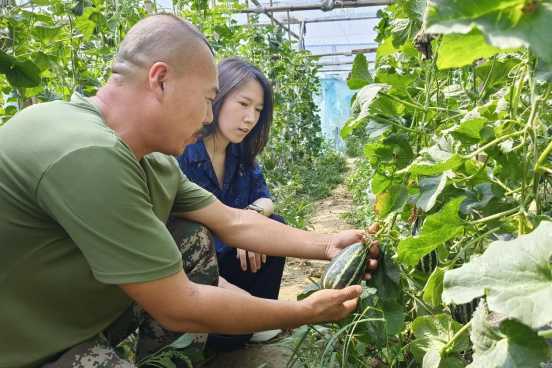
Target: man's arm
248,230
181,305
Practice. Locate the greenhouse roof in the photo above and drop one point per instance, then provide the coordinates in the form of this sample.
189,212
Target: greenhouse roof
325,32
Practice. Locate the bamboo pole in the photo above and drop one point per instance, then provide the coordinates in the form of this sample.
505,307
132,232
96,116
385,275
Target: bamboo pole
338,4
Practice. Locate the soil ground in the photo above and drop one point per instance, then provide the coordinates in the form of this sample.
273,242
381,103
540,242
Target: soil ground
327,219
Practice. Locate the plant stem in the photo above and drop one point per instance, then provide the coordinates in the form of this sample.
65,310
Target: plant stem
472,242
494,217
493,142
386,121
546,334
455,337
405,103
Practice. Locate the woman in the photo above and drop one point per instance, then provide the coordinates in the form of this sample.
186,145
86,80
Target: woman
223,162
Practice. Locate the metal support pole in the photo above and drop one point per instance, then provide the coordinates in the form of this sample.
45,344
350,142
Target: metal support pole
289,29
271,19
348,53
315,6
301,46
321,20
276,20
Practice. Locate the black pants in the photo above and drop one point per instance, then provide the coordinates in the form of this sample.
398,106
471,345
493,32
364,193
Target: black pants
265,283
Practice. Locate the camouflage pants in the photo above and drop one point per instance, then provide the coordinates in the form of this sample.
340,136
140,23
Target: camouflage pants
200,264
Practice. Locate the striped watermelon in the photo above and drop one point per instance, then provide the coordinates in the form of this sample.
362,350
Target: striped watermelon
346,268
463,313
428,263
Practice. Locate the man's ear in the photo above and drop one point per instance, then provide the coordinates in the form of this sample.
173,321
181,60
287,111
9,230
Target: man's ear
158,77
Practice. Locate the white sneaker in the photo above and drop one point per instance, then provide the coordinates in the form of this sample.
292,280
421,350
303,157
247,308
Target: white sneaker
264,335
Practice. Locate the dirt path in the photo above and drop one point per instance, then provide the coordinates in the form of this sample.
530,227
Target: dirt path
327,219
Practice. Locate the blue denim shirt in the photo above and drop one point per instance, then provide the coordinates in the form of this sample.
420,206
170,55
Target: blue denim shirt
242,185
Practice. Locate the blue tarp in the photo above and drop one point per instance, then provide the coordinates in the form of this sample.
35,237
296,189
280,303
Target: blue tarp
334,103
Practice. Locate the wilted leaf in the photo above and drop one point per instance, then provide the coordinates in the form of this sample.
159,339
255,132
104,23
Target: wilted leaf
391,201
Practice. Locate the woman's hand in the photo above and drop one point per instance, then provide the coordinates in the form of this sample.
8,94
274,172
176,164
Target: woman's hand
254,259
345,238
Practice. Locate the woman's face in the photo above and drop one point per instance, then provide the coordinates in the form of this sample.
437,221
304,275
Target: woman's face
240,112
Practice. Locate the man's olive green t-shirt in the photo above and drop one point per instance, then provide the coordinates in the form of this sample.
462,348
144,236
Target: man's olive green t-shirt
78,215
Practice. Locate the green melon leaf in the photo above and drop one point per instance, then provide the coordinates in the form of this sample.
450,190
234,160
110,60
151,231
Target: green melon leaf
434,332
521,347
445,10
434,287
402,150
386,279
391,201
430,188
429,166
86,27
458,50
468,132
432,359
24,74
361,106
516,275
47,34
437,229
504,23
543,71
380,183
375,129
7,62
360,76
393,313
399,83
499,74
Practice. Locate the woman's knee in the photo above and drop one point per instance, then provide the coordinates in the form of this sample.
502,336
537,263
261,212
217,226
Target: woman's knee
278,218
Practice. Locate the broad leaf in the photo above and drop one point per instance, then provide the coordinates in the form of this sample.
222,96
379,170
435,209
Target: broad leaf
393,314
386,279
499,74
375,129
437,229
483,336
458,50
360,76
24,74
468,132
543,71
434,287
429,166
403,30
430,188
399,83
85,26
516,275
47,34
434,332
521,347
378,153
391,201
402,150
445,10
361,106
380,183
505,24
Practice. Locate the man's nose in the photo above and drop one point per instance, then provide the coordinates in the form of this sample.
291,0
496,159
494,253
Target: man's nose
208,116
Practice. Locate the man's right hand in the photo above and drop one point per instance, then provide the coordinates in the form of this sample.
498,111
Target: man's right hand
332,305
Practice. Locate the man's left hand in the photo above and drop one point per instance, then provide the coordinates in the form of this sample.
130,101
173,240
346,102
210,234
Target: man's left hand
345,238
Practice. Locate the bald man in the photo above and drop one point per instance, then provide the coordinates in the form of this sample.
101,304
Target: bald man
86,188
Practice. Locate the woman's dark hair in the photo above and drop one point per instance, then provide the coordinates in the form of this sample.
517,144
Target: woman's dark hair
233,75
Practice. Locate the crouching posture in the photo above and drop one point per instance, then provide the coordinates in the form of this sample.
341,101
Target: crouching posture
86,188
